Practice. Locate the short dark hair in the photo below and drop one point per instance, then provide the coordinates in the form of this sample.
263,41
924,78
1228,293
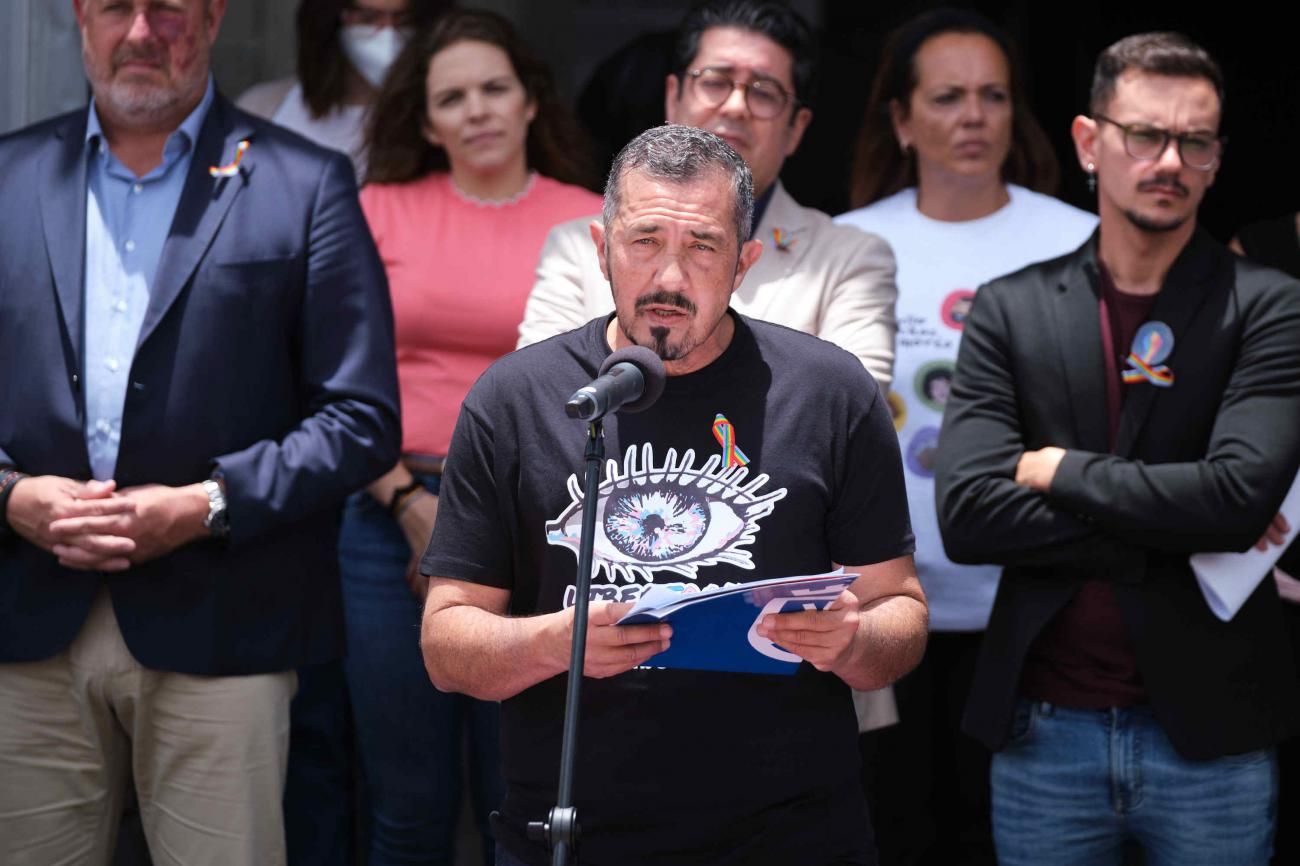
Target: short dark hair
680,154
322,66
769,18
397,150
881,168
1161,53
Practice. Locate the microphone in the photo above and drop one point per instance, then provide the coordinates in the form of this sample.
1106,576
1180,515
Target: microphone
631,380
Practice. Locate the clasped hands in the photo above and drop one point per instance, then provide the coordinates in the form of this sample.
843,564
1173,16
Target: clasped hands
823,638
93,526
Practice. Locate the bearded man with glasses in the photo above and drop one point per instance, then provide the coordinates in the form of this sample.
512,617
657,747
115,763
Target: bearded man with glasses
1115,411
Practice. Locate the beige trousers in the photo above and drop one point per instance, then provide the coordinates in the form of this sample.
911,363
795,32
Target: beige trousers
207,755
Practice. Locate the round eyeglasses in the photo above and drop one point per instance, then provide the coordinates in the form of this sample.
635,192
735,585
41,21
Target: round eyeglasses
1196,149
766,98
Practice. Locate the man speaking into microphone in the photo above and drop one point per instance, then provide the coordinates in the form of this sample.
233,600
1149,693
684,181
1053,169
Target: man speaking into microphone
770,453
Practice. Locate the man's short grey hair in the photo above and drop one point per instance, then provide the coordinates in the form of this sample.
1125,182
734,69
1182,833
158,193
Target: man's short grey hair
679,154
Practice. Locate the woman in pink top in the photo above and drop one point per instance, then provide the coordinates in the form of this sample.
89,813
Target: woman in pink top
471,164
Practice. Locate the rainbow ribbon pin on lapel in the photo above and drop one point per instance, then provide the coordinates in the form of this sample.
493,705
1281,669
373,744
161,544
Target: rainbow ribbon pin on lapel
725,432
1152,344
231,168
784,239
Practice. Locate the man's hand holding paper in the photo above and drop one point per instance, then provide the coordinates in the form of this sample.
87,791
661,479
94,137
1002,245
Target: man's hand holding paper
823,638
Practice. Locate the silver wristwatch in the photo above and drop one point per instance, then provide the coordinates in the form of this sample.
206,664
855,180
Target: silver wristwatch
216,521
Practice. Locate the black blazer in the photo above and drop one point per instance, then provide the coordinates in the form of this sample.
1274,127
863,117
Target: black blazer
1200,466
266,350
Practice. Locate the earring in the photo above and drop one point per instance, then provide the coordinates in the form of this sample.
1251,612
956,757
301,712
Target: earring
1092,177
905,147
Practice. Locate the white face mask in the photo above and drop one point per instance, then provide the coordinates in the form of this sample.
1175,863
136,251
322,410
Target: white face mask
371,50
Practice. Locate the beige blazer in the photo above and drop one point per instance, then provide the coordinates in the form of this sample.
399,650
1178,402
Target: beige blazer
835,282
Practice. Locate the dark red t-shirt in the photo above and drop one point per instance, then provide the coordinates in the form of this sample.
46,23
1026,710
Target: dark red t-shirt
1084,657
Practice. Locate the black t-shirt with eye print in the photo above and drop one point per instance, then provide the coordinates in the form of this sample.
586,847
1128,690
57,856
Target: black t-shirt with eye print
779,458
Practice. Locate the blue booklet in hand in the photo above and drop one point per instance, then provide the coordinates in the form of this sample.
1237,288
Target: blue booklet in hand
717,629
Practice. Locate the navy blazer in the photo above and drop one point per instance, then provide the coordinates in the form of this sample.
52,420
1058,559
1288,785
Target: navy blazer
1202,465
266,351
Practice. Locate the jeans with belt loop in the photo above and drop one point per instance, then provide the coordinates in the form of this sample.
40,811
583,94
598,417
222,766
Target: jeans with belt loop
1072,784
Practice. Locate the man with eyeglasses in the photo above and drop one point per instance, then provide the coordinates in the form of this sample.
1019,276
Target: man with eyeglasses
744,71
1115,411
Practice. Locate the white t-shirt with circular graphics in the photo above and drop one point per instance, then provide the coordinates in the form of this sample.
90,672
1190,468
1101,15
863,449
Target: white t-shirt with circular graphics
940,264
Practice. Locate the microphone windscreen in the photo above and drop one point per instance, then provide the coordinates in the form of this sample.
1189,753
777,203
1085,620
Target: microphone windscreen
652,368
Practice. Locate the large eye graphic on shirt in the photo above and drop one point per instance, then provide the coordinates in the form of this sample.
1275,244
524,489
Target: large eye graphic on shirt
670,517
656,525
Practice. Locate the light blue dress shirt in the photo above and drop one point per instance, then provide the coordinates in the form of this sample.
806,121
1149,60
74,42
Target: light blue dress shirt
127,222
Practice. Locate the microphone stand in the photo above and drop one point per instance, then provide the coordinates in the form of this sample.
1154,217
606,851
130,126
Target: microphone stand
560,829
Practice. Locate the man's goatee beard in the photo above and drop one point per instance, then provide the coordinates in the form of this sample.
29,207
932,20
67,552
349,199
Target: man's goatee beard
659,335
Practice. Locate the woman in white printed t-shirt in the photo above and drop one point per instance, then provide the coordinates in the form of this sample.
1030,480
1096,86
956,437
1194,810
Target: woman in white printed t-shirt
952,170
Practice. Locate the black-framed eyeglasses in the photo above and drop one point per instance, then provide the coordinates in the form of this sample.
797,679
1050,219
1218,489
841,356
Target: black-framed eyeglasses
1196,149
376,17
766,99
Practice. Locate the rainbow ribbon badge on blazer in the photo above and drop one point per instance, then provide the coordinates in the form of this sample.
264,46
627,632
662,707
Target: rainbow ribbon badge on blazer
1152,344
785,239
231,168
725,432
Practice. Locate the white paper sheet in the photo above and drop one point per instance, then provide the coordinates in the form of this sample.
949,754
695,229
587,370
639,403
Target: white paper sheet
1228,579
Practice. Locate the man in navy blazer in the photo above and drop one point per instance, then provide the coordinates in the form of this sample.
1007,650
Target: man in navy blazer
197,366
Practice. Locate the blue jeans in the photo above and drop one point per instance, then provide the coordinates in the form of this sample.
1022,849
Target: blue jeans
409,735
319,795
1071,785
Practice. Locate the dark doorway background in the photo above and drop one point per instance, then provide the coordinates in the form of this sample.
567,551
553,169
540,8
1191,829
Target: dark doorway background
1059,43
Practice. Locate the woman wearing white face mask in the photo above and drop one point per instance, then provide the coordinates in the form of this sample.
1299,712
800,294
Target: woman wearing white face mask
344,50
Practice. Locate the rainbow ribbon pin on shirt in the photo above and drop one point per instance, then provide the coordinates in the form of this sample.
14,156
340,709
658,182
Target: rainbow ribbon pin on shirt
725,432
231,168
1152,344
